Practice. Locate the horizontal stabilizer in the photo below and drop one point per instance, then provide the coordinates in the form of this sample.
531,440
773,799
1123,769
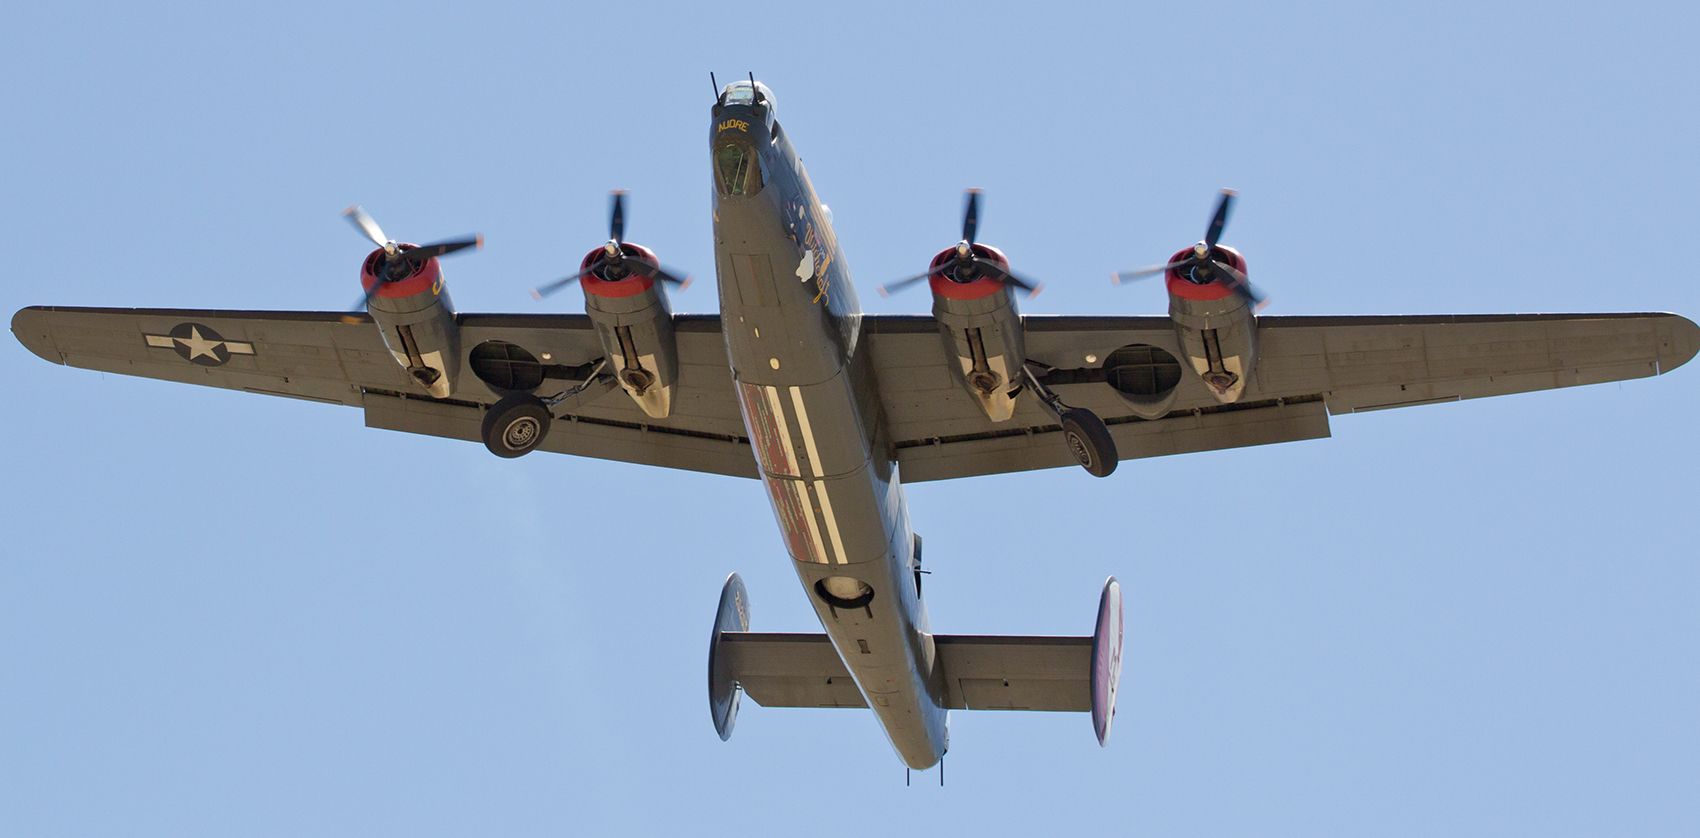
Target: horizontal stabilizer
979,672
1017,673
789,670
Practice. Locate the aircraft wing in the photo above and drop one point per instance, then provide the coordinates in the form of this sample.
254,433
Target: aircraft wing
1307,369
337,358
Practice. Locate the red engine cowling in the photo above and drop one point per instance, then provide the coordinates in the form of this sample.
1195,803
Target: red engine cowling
417,321
1215,324
982,330
635,326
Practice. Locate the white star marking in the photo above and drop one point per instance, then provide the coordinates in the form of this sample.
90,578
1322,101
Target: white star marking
197,345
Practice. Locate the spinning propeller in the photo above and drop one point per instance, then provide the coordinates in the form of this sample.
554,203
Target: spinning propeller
399,261
617,260
1205,264
967,266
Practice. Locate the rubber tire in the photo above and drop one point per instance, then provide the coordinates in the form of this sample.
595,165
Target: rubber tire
1089,440
515,426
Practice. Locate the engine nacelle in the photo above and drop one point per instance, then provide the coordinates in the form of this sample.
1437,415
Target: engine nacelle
417,321
636,328
982,331
1215,324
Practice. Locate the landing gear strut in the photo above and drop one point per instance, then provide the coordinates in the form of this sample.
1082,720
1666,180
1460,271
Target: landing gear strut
1087,437
516,425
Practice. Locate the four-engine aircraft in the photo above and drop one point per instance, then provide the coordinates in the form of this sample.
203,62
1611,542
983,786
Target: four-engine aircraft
834,410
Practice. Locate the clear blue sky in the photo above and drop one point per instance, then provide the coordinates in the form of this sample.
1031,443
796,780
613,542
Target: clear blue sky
223,614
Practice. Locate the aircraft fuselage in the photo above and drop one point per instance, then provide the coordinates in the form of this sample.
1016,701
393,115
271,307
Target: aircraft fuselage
810,404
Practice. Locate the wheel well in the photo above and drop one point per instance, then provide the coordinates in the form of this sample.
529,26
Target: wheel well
1142,371
506,367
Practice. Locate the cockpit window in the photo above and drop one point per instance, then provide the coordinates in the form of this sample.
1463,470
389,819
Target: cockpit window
736,172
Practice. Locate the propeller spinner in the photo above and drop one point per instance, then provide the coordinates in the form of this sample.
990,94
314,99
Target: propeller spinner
966,265
1205,264
399,260
619,260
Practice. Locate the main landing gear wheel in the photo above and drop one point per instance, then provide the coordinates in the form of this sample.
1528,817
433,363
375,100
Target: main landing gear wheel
1089,441
1086,436
515,426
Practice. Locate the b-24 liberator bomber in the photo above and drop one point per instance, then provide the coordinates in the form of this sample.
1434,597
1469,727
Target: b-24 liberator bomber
834,410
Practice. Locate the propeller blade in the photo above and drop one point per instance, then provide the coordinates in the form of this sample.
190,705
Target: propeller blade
1142,273
617,216
431,251
657,272
1026,284
1220,219
1009,277
673,278
542,291
366,298
971,216
890,288
1240,284
364,223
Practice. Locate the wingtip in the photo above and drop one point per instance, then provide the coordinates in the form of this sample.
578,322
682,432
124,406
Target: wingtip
1680,345
29,326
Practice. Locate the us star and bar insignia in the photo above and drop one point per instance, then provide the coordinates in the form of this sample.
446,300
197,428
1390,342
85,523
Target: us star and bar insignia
199,344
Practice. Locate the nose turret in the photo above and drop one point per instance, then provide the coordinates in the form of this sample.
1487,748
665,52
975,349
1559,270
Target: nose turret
748,94
743,125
